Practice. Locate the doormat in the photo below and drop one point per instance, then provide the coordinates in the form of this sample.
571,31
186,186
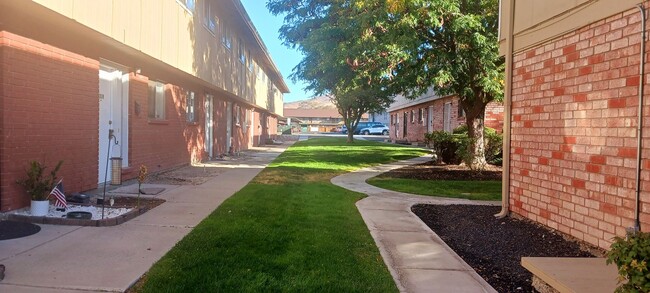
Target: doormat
152,190
13,229
133,189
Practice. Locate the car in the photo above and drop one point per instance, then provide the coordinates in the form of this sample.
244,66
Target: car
374,129
371,127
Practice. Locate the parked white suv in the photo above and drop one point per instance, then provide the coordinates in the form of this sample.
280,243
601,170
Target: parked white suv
374,129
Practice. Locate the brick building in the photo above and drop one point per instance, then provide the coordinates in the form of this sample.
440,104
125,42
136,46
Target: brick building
175,82
572,112
411,119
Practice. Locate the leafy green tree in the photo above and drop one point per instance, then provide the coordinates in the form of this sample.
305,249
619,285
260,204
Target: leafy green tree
448,45
326,33
409,46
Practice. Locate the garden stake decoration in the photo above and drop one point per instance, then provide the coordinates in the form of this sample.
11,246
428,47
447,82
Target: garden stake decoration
142,176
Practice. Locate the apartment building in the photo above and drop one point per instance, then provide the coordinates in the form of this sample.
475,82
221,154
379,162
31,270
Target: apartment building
411,119
576,133
156,83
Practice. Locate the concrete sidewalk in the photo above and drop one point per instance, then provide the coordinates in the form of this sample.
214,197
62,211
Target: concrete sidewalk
111,259
417,258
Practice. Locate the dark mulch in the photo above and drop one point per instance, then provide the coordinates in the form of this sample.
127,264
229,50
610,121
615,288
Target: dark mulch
433,171
14,229
494,247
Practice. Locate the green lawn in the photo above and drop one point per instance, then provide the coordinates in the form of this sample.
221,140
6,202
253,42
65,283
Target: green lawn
290,230
474,190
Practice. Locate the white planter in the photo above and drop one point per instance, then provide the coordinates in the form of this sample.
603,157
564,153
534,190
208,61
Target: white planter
39,208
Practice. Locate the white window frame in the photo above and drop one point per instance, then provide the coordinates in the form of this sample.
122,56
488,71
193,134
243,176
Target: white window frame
210,20
186,5
249,59
156,96
241,51
226,37
237,115
190,107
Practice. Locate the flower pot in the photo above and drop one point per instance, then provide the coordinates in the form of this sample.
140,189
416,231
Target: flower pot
39,208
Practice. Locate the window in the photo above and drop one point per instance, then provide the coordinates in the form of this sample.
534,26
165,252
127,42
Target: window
156,100
190,107
412,116
210,21
461,112
251,63
188,5
258,70
241,52
226,37
237,115
420,117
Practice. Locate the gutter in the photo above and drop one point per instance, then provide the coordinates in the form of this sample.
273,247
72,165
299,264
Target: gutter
507,113
639,127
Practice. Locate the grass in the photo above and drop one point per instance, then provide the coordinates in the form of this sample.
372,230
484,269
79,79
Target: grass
289,230
474,190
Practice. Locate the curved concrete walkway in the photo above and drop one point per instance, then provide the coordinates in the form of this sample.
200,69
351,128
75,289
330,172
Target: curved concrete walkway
416,257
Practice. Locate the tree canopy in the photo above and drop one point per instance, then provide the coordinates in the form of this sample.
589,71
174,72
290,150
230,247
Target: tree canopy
400,46
326,33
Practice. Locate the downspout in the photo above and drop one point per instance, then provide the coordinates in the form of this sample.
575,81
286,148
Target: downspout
507,100
639,127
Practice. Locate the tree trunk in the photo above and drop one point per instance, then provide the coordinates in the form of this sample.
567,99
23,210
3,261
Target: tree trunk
350,136
475,131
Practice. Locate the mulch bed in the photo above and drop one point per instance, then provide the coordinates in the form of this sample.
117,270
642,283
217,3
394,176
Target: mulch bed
433,171
494,247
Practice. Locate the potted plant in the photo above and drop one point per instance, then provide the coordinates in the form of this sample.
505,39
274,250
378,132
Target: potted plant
39,185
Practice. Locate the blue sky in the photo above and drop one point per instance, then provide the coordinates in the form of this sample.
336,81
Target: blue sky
284,57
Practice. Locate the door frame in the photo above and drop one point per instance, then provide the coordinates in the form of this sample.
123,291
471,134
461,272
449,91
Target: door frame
117,95
446,117
430,119
208,104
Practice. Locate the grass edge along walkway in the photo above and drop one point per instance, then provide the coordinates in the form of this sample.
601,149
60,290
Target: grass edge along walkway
467,189
289,230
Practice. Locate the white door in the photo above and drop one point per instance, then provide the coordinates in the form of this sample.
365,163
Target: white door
209,125
430,120
251,128
447,117
113,104
228,126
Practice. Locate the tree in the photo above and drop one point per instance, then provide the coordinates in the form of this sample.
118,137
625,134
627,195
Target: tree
448,45
409,46
326,33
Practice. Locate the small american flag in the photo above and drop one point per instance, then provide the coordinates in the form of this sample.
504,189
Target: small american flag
58,194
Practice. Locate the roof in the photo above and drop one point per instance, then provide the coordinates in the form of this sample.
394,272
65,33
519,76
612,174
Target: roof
402,102
315,113
281,84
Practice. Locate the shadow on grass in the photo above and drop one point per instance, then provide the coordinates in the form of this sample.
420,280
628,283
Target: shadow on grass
290,230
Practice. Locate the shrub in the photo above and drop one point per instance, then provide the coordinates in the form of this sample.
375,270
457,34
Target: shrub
631,256
493,145
444,144
37,184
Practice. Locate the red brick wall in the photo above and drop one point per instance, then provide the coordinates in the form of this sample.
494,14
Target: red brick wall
415,130
494,116
573,144
163,144
48,113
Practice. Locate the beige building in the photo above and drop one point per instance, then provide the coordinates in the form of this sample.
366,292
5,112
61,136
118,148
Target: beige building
576,154
156,83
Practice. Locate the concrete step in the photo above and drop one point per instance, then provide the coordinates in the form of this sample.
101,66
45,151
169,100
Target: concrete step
573,274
